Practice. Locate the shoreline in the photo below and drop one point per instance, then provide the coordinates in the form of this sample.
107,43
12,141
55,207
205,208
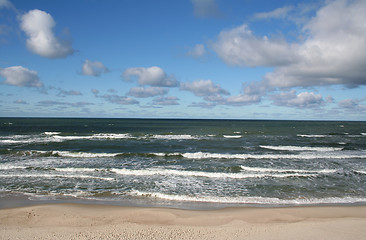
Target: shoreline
91,221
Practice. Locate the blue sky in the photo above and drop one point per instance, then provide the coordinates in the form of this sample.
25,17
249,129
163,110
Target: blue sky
239,59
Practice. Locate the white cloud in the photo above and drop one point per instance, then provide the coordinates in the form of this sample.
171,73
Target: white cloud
171,100
203,88
242,99
332,51
277,13
41,40
240,47
205,8
301,100
153,76
20,76
64,93
123,100
142,92
353,105
197,51
93,68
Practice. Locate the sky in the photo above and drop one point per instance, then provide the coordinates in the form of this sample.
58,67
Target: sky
219,59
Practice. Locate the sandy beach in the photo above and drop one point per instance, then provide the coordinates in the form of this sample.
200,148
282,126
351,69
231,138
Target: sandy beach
84,221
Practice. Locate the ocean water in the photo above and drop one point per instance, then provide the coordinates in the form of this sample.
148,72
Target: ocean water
179,163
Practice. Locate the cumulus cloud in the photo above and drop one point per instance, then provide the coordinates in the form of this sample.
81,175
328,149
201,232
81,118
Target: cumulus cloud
332,51
93,68
240,47
142,92
171,100
206,8
197,51
301,100
38,26
203,88
153,76
20,76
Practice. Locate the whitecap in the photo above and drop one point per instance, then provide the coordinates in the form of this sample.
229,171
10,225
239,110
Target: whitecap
298,148
232,136
259,169
173,137
311,135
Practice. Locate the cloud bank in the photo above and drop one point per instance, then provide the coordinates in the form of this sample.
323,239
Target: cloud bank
332,52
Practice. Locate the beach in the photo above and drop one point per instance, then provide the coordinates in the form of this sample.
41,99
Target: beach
86,221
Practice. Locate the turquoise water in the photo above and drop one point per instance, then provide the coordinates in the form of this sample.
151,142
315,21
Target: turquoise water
175,162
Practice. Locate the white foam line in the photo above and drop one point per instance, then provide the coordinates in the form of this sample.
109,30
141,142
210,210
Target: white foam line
203,155
83,154
298,148
173,137
170,172
77,169
8,167
52,133
53,176
248,200
232,136
311,135
258,169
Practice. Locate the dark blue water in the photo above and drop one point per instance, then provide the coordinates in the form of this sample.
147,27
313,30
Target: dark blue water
175,162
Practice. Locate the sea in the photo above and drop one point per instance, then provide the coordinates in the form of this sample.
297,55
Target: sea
182,163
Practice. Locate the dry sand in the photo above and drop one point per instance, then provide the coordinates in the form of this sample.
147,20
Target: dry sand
75,221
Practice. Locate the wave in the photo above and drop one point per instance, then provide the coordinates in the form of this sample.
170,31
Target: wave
248,200
51,133
96,136
54,176
185,173
232,136
204,155
9,167
298,148
311,135
173,137
258,169
83,154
